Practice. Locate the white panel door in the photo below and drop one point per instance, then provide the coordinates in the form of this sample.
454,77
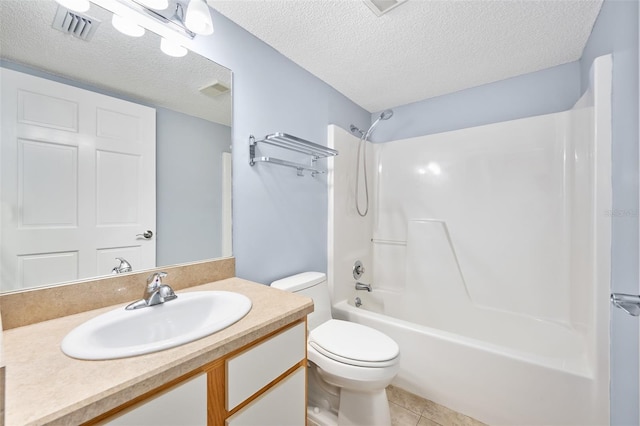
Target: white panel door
77,182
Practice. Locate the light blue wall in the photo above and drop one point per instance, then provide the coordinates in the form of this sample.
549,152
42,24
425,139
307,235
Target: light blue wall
189,181
616,31
279,219
542,92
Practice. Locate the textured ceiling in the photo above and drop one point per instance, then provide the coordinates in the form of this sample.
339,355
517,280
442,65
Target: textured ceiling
421,49
110,60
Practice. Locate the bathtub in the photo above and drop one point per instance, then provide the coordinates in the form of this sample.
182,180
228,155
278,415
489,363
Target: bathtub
489,257
535,372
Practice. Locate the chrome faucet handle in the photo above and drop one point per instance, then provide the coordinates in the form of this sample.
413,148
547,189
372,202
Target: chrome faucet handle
155,279
166,293
155,293
124,266
358,270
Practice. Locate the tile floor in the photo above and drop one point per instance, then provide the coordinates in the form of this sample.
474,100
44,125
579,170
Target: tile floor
408,409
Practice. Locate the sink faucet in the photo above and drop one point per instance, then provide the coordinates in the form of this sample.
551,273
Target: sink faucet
361,286
155,293
124,266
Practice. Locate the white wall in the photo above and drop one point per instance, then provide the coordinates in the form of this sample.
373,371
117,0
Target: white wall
349,233
496,193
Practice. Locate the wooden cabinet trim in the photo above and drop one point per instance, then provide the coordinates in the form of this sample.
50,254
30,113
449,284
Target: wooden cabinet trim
216,384
146,396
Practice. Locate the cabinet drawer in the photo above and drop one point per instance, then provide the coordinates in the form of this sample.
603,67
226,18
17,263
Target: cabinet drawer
282,405
253,369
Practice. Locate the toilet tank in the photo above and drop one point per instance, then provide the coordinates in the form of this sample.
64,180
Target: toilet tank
313,285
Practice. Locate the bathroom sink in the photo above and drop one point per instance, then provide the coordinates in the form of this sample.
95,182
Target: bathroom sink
124,333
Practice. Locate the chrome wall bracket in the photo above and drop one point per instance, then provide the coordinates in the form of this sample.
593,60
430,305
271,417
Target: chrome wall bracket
627,302
292,143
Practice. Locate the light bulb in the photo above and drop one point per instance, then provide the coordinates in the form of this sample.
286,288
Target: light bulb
155,4
75,5
198,18
126,26
172,48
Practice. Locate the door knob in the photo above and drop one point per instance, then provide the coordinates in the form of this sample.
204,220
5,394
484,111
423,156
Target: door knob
146,235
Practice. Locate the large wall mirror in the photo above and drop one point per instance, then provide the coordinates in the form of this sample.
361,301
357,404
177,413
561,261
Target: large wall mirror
110,149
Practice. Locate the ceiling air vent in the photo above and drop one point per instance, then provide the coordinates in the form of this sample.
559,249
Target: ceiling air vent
74,23
214,89
380,7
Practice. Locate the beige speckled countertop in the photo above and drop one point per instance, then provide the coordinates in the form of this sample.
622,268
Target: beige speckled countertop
44,386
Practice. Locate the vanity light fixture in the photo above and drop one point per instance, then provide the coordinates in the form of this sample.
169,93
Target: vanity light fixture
172,48
178,24
75,5
155,4
126,26
198,17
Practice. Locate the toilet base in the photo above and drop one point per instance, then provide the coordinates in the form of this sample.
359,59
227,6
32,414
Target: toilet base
321,417
333,406
356,409
353,404
364,408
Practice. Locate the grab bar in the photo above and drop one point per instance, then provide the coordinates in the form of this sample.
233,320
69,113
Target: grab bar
627,302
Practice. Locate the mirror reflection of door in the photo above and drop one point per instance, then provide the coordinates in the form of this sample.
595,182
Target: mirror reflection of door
79,167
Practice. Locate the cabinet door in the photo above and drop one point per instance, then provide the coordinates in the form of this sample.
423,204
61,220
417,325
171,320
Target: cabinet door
282,405
184,405
255,368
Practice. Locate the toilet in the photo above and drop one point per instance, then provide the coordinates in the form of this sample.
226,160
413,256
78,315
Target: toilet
350,364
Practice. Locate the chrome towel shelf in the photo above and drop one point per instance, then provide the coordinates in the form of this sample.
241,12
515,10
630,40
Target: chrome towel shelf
292,143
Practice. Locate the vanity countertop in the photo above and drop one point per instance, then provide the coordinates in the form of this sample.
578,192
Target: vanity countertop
44,386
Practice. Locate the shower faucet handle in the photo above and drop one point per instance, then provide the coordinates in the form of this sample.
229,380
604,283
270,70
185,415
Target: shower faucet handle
358,270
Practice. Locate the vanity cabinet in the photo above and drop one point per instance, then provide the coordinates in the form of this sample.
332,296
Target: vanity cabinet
184,404
278,406
262,383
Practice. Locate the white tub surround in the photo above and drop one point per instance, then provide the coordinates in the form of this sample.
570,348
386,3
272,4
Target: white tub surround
488,249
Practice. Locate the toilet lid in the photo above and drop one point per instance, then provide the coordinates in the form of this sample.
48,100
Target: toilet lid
346,341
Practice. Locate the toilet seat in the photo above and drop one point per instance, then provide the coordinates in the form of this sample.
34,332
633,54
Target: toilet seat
354,344
352,376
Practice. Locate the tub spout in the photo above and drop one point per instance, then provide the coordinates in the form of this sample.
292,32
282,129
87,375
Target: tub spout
361,286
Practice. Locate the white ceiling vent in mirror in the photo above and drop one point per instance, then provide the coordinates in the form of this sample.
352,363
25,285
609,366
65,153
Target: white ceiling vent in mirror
214,89
380,7
74,23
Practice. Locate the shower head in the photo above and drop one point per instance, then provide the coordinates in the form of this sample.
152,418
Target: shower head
386,114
